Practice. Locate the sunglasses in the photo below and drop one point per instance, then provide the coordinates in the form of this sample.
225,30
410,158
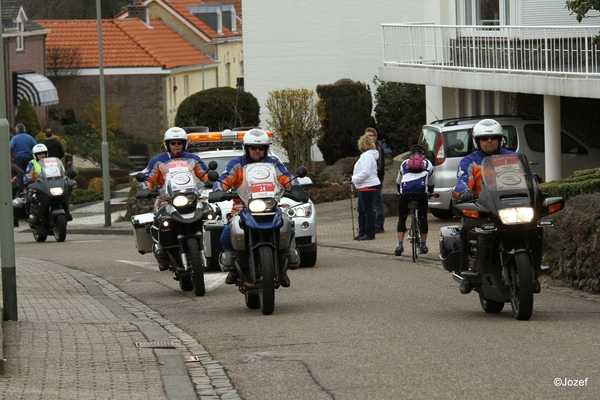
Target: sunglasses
257,148
176,143
486,138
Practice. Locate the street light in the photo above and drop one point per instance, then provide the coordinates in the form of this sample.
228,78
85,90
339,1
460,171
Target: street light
216,55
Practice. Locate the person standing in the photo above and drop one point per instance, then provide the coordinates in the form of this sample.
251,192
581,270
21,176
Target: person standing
20,148
379,209
16,176
364,177
55,149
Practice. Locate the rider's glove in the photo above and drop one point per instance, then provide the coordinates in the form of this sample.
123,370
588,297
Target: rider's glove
466,195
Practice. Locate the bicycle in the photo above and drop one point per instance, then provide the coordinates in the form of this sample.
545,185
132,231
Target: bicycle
414,232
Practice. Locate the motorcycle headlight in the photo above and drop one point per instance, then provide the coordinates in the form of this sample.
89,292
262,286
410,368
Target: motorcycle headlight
516,215
182,200
262,205
302,210
56,191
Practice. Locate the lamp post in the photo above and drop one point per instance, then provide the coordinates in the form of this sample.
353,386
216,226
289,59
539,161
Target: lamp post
216,55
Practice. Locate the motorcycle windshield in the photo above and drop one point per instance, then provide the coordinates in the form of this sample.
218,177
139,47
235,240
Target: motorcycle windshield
260,181
51,167
179,177
506,173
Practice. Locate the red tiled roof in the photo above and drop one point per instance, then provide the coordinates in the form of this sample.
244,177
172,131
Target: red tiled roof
125,43
180,7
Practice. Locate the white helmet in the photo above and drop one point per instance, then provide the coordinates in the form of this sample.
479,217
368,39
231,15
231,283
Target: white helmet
175,134
39,148
488,127
256,137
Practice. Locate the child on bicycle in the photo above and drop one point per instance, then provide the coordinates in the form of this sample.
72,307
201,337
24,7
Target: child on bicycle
415,180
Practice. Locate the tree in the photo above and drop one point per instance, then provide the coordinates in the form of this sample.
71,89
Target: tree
582,7
92,116
27,116
400,113
295,123
219,109
61,61
345,111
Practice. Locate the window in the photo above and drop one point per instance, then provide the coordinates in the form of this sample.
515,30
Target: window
20,29
534,135
186,87
486,12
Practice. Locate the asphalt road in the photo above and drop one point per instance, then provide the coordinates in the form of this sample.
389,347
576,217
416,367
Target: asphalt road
360,325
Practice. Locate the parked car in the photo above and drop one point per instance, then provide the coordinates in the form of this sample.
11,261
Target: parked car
446,142
304,215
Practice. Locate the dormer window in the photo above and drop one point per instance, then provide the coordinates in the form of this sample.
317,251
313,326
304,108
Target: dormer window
216,16
20,29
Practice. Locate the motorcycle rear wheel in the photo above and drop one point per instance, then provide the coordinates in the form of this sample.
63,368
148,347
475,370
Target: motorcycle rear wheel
521,291
490,306
267,284
60,228
195,259
39,237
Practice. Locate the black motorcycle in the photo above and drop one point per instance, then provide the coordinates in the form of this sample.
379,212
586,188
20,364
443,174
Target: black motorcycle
48,199
174,231
504,237
261,234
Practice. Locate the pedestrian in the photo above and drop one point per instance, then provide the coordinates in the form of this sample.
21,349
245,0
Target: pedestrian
55,149
379,209
364,177
71,171
20,148
415,180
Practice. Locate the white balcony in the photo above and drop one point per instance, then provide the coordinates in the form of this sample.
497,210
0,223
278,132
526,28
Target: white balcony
506,58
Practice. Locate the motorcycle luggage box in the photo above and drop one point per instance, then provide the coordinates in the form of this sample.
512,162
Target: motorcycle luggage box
450,247
19,208
212,239
141,231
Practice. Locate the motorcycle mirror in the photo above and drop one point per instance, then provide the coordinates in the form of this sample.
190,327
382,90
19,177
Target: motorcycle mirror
140,177
213,175
213,165
301,172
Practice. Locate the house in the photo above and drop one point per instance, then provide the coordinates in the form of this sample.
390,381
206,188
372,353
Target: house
502,57
24,44
148,69
213,26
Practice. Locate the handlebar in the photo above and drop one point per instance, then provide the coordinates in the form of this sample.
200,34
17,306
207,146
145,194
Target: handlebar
220,195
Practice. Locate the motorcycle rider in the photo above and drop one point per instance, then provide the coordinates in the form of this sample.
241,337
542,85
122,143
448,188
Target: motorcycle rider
256,144
418,185
175,141
488,139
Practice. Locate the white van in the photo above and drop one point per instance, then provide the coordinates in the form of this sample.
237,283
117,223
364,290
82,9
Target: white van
446,142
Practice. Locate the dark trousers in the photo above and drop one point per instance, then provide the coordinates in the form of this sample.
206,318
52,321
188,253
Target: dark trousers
379,209
403,212
22,163
366,212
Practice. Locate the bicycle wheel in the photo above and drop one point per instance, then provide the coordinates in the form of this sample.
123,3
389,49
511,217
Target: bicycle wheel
413,234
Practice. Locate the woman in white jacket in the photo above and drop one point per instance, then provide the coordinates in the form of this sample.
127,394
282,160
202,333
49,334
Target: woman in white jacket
364,178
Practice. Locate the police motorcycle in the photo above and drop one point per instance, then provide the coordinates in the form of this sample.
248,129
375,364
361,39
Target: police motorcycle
505,235
49,201
261,234
173,232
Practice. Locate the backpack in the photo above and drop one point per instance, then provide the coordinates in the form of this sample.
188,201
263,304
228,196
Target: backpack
416,163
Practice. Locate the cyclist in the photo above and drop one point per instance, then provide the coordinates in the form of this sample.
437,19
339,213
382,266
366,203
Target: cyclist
415,179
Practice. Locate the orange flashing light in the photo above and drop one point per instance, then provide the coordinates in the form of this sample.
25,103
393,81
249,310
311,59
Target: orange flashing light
552,208
471,213
198,137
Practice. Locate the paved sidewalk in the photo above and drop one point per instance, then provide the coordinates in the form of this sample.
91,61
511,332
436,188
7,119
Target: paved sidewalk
78,336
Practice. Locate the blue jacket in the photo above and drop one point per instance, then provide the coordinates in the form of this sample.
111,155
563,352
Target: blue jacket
21,145
154,176
415,182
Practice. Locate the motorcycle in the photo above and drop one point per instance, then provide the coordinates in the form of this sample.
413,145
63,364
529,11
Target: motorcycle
49,201
261,234
504,237
173,232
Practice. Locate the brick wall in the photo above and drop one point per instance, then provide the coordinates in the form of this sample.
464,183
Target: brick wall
141,97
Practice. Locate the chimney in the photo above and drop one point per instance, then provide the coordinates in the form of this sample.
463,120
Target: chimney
139,12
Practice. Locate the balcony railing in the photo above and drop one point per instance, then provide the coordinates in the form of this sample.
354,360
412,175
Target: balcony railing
548,50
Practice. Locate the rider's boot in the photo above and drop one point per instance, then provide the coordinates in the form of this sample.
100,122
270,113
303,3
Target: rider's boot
285,282
161,256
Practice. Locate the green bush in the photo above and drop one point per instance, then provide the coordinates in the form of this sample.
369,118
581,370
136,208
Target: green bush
27,116
82,183
80,196
581,182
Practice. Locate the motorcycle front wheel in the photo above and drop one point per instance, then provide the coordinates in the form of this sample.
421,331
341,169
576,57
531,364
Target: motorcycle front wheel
195,258
60,228
521,290
267,283
38,236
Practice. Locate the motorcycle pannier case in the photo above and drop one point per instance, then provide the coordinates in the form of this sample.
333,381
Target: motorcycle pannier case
141,230
19,208
450,247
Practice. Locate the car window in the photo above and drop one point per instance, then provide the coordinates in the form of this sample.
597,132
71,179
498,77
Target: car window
457,143
427,140
534,135
512,141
